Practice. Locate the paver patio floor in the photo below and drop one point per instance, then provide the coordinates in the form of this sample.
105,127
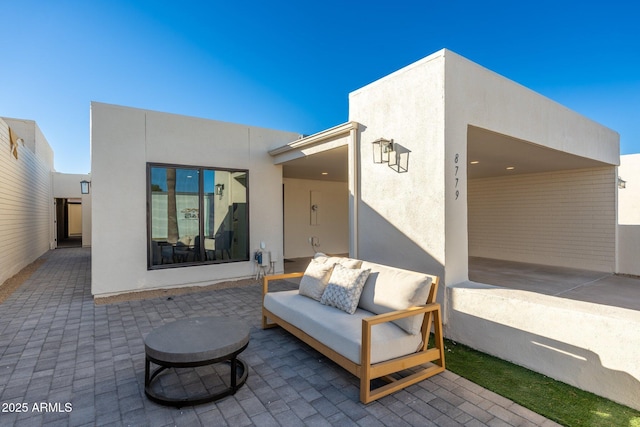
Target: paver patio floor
85,363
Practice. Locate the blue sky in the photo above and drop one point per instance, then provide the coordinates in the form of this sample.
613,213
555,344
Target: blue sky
291,65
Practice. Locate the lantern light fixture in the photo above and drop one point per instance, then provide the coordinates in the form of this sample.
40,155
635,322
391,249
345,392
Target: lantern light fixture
219,190
622,183
381,149
84,186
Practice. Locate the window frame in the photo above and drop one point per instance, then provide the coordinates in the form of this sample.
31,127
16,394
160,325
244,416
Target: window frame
201,226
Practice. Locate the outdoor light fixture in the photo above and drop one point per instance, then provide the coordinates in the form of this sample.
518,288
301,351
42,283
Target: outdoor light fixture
395,155
219,190
381,149
622,183
84,186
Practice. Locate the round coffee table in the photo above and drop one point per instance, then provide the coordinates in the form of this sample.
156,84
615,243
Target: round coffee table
188,343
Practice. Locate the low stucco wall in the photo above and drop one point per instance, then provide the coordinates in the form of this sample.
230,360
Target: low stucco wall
590,346
629,249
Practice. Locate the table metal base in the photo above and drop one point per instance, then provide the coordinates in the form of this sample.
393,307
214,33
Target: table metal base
239,374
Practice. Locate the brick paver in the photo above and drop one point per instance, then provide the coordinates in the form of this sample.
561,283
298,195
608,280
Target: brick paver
65,361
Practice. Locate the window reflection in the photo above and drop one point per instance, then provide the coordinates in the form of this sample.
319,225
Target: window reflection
188,206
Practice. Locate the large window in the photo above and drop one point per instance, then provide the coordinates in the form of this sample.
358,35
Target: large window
196,215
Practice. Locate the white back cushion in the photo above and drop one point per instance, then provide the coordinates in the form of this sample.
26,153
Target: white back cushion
389,289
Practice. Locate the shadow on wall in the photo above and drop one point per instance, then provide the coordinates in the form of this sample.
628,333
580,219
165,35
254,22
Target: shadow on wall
381,242
573,365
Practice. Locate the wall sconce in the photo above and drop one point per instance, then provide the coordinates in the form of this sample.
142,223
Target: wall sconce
381,149
84,186
219,190
395,155
622,183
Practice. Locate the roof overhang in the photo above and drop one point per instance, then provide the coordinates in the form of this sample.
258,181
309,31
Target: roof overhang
323,155
491,154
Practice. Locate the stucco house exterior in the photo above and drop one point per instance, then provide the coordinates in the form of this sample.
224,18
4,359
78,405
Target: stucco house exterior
480,167
477,166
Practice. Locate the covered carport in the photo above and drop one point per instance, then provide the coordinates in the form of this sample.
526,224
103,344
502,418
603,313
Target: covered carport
534,204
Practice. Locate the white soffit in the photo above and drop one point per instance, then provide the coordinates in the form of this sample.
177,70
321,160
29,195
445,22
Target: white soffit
330,165
321,156
496,152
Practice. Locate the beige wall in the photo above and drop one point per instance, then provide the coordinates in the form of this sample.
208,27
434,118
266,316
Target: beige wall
26,197
123,140
75,219
564,218
332,227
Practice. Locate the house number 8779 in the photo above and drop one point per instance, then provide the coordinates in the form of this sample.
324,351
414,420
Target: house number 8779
456,160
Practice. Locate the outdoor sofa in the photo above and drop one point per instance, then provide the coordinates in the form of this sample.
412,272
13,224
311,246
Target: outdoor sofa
378,330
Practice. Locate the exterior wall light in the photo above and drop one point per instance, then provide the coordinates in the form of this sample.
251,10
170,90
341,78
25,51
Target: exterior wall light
622,183
219,190
381,149
84,186
395,155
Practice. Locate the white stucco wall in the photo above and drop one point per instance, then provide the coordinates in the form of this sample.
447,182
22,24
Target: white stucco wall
26,197
629,197
401,217
497,320
67,185
629,216
420,219
333,217
414,220
123,140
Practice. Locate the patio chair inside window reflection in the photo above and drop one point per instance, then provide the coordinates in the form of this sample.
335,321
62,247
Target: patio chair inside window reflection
223,241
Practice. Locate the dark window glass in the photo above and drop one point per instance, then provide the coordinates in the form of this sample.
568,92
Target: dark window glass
197,215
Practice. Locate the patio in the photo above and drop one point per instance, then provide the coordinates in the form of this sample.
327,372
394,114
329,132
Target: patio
58,347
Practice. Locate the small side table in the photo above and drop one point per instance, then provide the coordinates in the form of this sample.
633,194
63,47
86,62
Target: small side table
188,343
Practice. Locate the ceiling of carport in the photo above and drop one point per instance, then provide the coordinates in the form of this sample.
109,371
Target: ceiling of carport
496,152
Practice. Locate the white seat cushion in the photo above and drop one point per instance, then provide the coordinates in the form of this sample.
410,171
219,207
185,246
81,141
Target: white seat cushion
338,330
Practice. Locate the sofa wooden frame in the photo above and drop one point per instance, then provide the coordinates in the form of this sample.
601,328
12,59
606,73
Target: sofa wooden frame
433,357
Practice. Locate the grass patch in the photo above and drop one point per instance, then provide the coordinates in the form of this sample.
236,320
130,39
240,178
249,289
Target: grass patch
553,399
